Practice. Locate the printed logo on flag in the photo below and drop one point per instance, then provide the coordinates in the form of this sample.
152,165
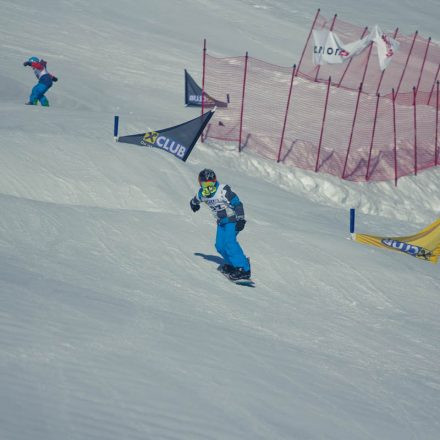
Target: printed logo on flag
151,137
330,51
386,40
328,48
198,99
415,251
195,98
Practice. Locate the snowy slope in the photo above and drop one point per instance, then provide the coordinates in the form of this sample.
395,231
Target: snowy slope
114,323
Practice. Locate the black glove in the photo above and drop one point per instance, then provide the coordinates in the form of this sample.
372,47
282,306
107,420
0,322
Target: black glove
26,63
239,225
194,205
54,79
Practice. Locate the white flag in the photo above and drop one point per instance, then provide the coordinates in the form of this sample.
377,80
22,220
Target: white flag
386,47
330,49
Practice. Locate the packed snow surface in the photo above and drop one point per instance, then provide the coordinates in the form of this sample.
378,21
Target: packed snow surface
115,324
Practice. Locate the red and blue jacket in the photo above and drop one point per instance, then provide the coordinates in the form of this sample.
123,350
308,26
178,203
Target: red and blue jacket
39,68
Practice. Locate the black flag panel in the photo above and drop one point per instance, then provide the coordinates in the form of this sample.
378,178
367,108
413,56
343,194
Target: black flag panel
178,140
193,95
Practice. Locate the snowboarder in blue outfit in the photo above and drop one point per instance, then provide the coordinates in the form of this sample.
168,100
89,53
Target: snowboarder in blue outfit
45,81
228,210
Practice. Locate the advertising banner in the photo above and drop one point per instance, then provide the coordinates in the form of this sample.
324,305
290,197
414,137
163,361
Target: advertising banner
193,95
178,140
328,47
424,245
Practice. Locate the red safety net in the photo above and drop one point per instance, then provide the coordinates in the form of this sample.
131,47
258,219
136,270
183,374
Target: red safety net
287,116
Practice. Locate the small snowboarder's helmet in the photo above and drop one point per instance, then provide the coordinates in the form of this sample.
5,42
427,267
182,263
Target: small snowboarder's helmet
207,175
33,60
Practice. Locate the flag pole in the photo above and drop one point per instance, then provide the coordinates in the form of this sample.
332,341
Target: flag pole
242,100
352,221
203,84
307,41
285,115
116,127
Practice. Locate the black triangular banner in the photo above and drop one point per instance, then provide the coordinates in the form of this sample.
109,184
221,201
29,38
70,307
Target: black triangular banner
178,140
193,95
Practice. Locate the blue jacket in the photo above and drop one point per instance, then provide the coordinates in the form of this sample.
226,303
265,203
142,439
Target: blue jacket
224,204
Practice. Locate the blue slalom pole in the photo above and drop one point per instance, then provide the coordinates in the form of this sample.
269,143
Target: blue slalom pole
352,220
116,127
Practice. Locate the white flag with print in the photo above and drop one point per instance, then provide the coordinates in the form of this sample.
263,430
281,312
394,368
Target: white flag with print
386,47
328,48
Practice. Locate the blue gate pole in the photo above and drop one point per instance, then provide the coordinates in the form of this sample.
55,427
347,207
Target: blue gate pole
116,127
352,220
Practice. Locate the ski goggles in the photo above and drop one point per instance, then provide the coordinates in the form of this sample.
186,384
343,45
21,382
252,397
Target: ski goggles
208,188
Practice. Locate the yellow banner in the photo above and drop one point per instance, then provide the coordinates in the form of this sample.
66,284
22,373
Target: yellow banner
424,245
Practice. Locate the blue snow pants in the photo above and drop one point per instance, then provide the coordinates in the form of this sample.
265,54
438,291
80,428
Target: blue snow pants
228,247
37,94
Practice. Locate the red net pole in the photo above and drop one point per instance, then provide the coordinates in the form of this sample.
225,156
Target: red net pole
423,63
433,84
395,138
287,111
407,60
352,130
368,60
436,128
367,176
202,138
415,129
307,41
351,59
383,71
242,101
331,29
323,124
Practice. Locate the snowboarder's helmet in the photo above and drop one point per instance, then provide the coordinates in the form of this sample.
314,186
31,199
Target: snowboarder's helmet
207,175
33,60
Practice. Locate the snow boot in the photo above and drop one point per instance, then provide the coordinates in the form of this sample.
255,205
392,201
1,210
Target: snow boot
239,274
226,268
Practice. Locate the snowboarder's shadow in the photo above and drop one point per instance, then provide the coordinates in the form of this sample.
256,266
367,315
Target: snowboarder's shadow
214,258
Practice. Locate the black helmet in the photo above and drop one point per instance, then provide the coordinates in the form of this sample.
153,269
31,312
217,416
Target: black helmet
207,175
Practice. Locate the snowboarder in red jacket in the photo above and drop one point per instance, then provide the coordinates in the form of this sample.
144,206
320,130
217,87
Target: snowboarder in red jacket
45,81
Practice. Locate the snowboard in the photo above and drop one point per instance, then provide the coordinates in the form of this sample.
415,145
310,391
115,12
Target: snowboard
247,283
